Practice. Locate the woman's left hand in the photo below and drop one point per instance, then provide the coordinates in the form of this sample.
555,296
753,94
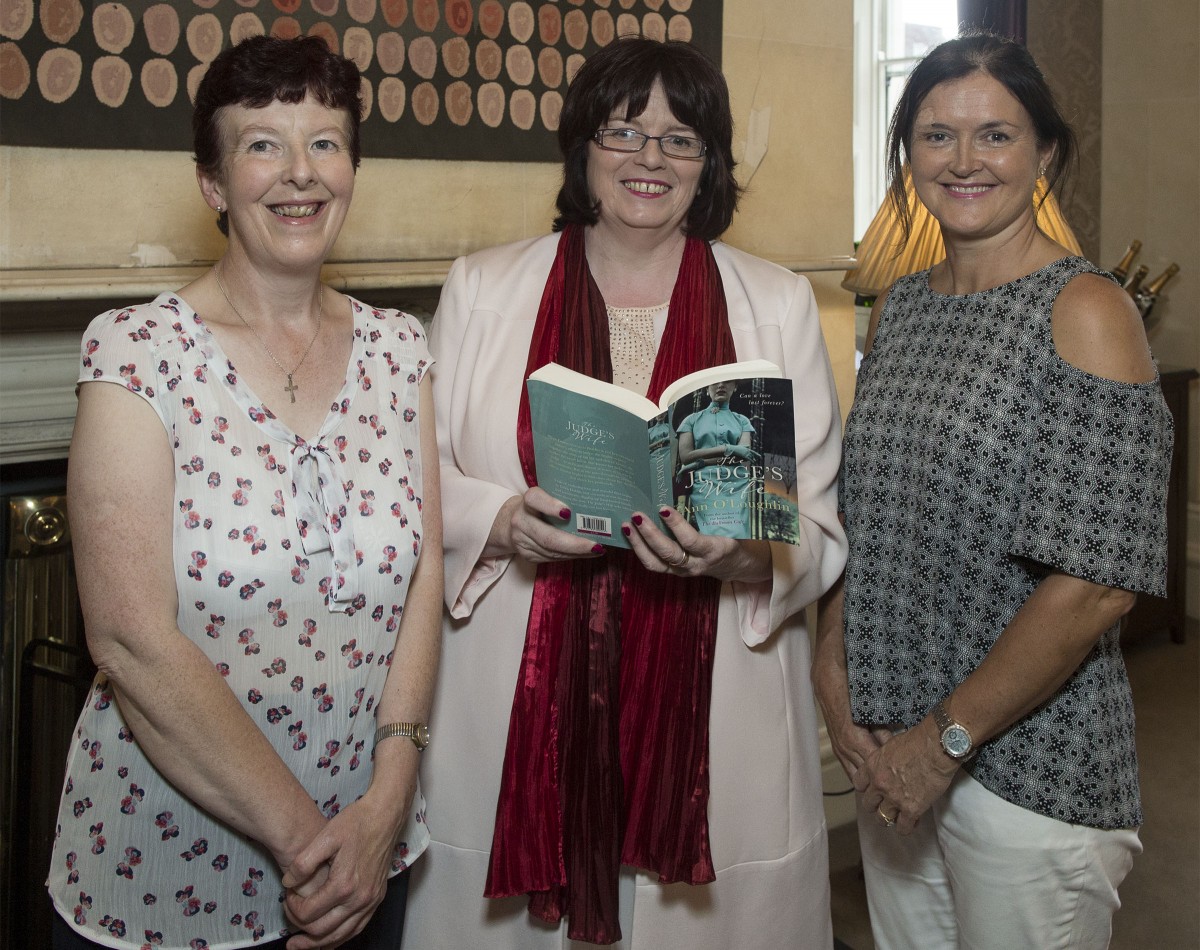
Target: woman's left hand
335,884
688,553
905,775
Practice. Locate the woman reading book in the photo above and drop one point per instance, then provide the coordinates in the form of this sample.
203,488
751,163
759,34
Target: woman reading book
605,790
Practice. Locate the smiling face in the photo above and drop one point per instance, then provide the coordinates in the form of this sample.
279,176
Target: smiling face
286,179
975,159
645,191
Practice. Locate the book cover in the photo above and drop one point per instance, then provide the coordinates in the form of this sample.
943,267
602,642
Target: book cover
719,447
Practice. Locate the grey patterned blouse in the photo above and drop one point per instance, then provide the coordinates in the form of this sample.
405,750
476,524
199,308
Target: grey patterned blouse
976,462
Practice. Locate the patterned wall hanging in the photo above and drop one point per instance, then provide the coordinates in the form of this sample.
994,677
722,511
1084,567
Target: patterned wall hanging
452,79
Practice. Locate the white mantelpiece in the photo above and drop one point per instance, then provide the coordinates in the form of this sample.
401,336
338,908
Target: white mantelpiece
38,368
43,313
37,395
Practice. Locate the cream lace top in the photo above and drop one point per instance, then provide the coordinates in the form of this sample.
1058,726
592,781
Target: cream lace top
633,337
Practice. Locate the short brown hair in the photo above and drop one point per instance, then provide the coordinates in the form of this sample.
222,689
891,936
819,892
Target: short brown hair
623,73
264,69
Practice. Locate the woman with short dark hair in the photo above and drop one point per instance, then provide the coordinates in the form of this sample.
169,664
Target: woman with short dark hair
1004,493
662,719
696,96
255,511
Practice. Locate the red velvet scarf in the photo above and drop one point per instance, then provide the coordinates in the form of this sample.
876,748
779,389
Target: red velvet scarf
607,756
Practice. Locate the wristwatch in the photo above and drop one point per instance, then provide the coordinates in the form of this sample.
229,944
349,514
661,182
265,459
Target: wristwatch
417,731
956,741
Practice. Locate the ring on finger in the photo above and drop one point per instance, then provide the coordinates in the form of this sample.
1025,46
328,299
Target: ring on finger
681,562
889,821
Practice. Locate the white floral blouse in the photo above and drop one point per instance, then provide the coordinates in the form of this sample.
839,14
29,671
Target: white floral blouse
292,562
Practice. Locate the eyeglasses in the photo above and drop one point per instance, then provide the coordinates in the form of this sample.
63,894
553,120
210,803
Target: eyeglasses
630,140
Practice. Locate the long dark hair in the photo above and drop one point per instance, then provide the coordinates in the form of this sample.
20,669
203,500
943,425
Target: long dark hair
1010,64
623,73
264,69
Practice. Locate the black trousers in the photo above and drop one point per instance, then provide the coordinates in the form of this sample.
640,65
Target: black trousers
383,932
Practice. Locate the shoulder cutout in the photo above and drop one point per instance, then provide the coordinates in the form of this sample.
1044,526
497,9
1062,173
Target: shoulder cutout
1097,328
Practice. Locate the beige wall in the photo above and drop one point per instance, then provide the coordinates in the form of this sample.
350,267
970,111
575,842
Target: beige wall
1149,183
789,66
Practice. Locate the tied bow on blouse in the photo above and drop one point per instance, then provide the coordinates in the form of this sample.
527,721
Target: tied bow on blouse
321,511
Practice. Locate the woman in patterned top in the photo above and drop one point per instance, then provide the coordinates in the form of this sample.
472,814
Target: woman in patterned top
1003,489
257,531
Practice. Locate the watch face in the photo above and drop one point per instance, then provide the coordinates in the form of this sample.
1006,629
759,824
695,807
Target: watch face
421,735
956,741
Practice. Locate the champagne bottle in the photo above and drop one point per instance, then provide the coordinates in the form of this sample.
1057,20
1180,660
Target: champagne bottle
1121,271
1131,287
1147,296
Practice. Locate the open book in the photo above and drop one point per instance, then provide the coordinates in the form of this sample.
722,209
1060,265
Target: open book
719,447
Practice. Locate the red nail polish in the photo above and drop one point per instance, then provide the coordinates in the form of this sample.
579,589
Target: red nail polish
564,513
666,513
636,519
625,530
597,548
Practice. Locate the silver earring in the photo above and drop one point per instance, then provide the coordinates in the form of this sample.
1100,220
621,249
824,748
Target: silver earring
220,209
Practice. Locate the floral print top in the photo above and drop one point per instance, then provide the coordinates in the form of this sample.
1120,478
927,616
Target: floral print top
976,461
292,562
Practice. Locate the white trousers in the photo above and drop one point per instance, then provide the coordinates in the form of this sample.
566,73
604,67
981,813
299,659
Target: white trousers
979,873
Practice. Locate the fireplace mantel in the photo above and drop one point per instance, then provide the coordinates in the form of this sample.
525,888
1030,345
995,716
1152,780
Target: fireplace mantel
43,313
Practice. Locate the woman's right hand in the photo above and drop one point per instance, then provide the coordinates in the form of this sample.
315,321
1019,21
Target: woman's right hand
521,528
852,743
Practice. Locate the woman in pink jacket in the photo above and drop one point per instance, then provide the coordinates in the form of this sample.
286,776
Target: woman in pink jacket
662,732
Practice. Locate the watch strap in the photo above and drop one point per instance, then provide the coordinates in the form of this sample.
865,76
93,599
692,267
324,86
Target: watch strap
418,732
941,717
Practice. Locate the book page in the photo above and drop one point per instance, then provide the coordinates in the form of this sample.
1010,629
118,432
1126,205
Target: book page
703,377
554,374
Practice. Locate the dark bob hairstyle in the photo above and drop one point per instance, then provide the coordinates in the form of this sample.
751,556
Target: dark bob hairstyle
264,69
622,75
1010,64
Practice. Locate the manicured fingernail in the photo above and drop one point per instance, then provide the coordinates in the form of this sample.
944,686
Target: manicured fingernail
564,513
597,548
625,530
636,519
666,513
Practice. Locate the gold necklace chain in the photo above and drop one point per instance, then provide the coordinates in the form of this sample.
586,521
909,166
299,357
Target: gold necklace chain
291,387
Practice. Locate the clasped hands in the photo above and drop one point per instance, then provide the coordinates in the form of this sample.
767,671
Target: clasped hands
528,522
335,883
897,775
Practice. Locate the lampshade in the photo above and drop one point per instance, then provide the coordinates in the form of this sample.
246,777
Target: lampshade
882,258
